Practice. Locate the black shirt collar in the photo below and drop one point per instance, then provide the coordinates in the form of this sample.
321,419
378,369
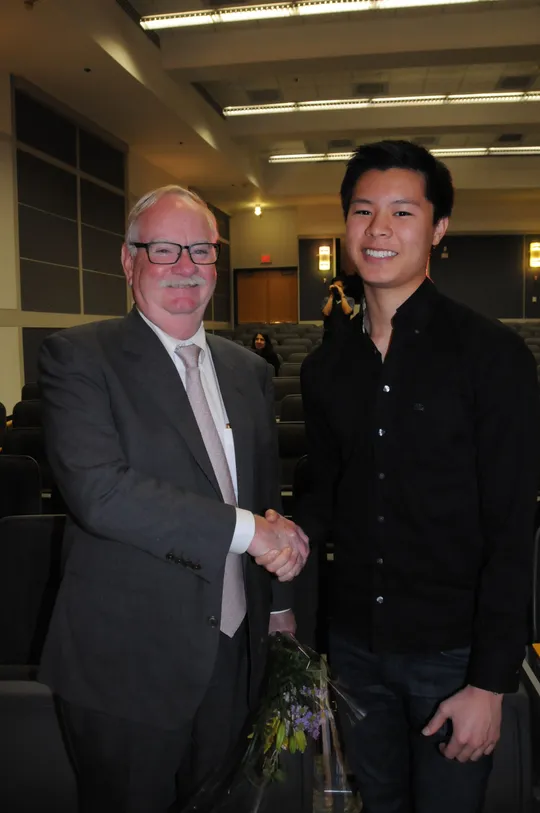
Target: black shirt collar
416,310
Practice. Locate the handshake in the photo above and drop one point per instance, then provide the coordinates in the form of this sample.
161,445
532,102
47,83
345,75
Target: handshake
279,545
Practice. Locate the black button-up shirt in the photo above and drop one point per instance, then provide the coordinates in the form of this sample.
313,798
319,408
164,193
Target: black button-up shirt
425,474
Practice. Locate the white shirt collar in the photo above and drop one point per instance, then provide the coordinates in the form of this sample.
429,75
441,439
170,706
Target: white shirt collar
170,343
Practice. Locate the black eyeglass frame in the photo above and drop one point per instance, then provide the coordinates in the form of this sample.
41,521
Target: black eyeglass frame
180,248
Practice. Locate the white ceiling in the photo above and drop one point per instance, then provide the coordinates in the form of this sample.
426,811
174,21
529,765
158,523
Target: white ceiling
151,97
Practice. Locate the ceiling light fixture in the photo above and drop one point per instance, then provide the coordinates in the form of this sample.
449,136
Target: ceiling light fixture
235,14
458,152
383,101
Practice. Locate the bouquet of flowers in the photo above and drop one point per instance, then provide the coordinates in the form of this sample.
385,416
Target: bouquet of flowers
295,717
295,710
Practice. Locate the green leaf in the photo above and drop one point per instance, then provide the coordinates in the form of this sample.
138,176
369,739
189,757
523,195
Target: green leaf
280,736
301,741
292,744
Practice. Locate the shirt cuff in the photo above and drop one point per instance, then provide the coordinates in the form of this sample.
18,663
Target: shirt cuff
277,612
243,532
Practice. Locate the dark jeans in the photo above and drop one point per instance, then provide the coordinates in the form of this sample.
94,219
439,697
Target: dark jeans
398,770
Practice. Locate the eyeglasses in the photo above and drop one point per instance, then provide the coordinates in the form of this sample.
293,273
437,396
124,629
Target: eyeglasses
170,253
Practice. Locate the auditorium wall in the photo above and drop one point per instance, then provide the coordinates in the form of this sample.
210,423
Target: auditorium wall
66,188
485,265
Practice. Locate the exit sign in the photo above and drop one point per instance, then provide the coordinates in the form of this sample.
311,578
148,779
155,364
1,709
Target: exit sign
265,259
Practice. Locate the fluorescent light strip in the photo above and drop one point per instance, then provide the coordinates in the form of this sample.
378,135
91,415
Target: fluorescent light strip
235,14
383,101
458,152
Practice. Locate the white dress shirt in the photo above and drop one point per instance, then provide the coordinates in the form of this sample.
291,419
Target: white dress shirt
245,521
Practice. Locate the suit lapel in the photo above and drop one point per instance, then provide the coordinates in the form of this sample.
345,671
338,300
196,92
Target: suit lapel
235,398
147,361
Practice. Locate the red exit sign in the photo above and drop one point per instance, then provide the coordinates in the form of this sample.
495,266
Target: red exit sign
266,259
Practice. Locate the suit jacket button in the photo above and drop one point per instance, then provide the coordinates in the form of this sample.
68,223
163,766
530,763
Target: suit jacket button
169,557
196,566
212,620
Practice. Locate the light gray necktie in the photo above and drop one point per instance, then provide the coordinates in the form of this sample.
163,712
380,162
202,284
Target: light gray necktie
233,604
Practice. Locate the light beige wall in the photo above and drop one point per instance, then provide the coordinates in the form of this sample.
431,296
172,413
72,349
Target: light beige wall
10,350
274,233
144,176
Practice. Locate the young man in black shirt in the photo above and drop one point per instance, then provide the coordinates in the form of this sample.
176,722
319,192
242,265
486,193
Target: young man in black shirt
422,428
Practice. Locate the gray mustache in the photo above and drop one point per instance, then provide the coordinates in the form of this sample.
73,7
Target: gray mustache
187,282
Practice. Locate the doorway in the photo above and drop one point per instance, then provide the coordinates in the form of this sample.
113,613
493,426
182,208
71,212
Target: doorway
269,295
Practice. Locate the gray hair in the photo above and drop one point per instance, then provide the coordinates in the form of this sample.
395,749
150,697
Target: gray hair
151,198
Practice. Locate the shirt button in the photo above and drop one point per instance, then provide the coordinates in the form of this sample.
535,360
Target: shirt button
382,432
416,331
212,620
380,519
380,600
382,475
380,561
386,388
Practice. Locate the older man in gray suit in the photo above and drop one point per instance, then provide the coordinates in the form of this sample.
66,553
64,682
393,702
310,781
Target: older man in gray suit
162,441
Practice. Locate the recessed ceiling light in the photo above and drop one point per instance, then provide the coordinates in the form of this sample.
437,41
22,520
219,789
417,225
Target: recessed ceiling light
239,14
383,101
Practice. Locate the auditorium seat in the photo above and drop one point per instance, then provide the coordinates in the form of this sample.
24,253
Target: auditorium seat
286,350
30,391
292,446
283,387
292,408
20,485
29,441
289,370
35,772
2,423
303,345
27,413
30,569
297,358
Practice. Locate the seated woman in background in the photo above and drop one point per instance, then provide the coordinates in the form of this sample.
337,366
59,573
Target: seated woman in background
262,345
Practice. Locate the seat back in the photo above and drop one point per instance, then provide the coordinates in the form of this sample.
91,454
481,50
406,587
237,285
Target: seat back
289,370
292,446
30,570
29,440
297,358
36,773
30,391
20,485
292,408
27,413
2,423
283,387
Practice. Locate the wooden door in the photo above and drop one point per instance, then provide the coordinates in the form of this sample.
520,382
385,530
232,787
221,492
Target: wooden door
251,289
267,296
282,296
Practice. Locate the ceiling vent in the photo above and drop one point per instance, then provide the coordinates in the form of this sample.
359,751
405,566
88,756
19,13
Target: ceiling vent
510,138
264,96
425,141
518,82
340,144
371,89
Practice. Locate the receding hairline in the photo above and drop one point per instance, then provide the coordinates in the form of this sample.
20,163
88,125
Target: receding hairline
150,199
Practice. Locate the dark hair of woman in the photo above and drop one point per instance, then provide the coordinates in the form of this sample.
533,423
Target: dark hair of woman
262,345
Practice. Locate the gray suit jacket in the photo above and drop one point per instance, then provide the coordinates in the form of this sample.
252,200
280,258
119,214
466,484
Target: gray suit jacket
136,625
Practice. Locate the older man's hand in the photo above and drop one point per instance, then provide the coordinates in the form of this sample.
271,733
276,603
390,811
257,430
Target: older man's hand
279,545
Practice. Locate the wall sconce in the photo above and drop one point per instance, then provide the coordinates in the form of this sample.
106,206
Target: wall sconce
257,210
534,255
325,262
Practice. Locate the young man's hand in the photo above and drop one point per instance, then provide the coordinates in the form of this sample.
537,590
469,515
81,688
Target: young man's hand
476,722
